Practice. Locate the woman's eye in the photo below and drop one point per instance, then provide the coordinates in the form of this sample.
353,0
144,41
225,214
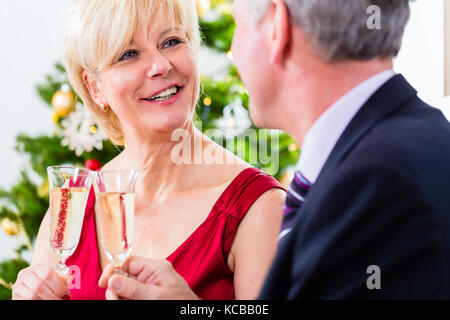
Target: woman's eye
128,55
171,43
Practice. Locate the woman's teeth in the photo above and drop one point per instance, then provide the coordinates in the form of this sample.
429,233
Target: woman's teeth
164,95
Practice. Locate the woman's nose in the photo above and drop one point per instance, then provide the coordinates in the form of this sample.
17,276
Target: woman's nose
159,66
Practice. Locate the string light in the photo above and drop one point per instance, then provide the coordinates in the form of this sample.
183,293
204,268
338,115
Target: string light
230,55
231,123
292,147
93,129
207,101
203,6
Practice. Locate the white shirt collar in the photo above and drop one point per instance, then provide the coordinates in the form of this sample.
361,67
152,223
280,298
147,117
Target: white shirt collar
325,132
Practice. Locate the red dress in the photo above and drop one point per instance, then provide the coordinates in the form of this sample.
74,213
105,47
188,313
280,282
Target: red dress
201,258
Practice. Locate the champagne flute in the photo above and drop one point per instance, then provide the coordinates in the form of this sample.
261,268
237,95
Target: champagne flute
114,213
69,191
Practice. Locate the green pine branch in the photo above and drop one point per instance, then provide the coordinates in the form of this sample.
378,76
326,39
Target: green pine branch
46,151
24,199
8,275
218,34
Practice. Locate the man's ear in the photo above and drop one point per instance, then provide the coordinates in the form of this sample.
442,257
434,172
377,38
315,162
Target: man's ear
279,30
91,82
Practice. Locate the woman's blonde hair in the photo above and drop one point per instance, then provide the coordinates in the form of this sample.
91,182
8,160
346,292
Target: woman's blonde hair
98,33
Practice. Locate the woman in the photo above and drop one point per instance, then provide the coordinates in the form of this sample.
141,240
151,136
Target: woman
134,64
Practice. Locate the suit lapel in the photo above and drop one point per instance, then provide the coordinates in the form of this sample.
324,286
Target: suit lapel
386,100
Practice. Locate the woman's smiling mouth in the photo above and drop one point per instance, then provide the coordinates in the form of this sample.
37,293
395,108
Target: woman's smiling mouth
165,96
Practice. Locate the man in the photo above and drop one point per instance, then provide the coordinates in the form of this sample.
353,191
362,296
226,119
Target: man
368,214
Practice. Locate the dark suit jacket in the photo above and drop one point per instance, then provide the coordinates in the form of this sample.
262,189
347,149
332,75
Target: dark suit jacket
382,199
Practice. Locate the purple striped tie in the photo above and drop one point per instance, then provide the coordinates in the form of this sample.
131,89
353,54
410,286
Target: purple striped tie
295,197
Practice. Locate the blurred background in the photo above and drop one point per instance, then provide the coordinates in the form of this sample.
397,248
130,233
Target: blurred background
41,120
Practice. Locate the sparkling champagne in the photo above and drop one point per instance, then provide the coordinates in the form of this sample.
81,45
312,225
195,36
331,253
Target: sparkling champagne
115,214
68,207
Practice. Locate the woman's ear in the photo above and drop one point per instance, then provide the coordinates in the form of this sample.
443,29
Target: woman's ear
279,31
92,84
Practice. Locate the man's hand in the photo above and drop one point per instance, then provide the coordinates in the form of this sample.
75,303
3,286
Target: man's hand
148,280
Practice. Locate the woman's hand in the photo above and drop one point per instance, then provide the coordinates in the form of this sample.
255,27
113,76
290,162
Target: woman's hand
40,282
148,280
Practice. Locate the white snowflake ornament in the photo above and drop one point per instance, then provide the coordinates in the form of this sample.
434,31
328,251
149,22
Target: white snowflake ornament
81,132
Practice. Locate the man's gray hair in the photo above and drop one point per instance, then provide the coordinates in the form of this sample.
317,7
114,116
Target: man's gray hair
339,29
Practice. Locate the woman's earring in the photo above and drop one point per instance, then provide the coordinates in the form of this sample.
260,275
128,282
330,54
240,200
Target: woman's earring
104,107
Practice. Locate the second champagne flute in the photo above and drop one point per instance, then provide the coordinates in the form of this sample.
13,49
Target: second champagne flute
114,213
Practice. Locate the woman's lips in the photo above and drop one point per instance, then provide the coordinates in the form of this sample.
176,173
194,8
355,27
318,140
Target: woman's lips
167,102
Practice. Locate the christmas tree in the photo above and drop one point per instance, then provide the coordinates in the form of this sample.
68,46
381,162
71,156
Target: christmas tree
222,114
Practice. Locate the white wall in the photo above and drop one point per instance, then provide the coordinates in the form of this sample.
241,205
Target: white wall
30,38
31,35
421,59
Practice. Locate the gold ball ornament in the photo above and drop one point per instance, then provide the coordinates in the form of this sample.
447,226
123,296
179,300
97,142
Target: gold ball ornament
44,189
9,227
292,147
203,6
63,102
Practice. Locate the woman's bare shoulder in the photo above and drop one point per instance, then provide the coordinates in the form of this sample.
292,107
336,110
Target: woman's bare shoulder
224,174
